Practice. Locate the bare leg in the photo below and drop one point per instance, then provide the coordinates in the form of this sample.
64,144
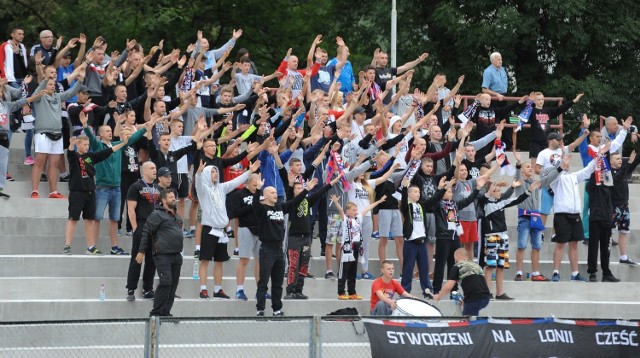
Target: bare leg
520,259
622,242
89,232
399,244
557,256
113,232
202,272
535,260
70,230
468,246
52,172
382,249
217,273
488,271
327,256
241,270
36,170
499,281
193,212
573,255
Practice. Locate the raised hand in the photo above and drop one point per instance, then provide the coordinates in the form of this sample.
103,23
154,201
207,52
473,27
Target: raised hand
627,123
254,166
516,183
481,181
535,185
312,183
236,34
201,166
82,39
424,57
577,99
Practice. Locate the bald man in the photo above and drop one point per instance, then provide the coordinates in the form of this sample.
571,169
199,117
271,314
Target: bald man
142,198
270,216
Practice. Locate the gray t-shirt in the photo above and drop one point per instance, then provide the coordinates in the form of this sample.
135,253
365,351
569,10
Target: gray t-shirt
462,190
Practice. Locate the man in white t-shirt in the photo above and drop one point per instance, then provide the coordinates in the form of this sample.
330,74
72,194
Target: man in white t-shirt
549,158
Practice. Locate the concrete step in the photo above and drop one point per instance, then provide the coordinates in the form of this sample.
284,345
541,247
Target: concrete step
21,190
32,288
93,309
117,266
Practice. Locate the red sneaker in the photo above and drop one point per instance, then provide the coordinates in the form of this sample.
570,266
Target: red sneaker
34,194
56,195
539,278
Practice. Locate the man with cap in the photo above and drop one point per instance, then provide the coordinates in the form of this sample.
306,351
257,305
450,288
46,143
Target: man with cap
164,179
357,123
550,158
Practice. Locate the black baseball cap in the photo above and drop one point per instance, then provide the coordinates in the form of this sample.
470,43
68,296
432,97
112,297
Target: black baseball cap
164,172
555,135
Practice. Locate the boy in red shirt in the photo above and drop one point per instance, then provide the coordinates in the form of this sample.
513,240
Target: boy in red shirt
384,290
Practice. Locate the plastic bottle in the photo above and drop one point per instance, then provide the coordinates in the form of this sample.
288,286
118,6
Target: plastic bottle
103,294
196,270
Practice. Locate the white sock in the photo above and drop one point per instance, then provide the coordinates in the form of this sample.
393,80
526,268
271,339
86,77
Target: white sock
203,287
239,287
574,273
556,271
192,228
216,289
518,272
623,257
198,247
64,175
536,273
329,271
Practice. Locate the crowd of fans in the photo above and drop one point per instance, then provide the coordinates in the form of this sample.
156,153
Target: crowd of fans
263,158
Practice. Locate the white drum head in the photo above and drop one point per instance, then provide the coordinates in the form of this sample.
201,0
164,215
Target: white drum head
406,306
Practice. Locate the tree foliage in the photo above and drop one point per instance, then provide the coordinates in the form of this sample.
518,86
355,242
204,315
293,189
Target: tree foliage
557,47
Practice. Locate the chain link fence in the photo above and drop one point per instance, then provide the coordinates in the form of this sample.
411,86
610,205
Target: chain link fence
121,338
316,337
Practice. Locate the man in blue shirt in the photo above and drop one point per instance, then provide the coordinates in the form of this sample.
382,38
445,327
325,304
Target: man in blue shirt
494,82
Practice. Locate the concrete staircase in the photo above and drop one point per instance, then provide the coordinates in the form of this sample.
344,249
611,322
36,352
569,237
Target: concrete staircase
41,284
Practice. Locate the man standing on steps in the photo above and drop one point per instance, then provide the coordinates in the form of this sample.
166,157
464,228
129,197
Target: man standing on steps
271,228
142,198
495,83
162,234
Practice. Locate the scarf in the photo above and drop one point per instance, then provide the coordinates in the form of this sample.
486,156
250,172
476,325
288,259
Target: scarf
523,117
505,167
352,226
335,165
189,75
468,113
451,211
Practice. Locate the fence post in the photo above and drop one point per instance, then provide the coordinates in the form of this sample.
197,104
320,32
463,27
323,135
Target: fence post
151,338
314,337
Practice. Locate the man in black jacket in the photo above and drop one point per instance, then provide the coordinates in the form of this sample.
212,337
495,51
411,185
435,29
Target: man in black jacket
163,232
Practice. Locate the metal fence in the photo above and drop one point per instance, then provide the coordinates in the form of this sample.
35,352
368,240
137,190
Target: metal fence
317,337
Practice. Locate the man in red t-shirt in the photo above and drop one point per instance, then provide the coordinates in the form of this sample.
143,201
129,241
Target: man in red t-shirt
384,290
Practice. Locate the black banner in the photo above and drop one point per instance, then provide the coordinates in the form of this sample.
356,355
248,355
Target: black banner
504,338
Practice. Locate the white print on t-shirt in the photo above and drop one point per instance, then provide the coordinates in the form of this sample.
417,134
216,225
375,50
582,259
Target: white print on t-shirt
275,215
248,200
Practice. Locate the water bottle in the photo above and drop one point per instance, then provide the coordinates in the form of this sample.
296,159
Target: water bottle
456,297
102,292
528,276
196,269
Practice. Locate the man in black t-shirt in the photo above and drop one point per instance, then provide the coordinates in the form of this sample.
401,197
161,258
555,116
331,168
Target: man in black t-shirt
471,278
384,74
142,198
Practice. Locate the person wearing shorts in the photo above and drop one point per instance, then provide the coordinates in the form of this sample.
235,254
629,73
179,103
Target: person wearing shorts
214,220
83,190
334,239
496,239
566,221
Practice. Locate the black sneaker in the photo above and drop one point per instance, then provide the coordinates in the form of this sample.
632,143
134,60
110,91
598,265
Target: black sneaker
504,297
610,278
519,277
221,294
230,234
300,296
329,276
9,177
593,277
309,275
196,254
64,179
149,295
628,262
322,252
278,313
260,314
4,195
67,250
289,296
131,295
236,252
43,177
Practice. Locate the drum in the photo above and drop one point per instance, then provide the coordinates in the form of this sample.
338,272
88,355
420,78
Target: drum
413,307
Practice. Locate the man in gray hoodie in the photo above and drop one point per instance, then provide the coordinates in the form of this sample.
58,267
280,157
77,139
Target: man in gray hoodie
212,195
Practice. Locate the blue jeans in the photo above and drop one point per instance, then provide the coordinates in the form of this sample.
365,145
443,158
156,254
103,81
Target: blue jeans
473,308
108,196
28,141
525,231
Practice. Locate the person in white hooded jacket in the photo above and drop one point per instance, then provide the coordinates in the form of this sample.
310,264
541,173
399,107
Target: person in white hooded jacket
212,194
